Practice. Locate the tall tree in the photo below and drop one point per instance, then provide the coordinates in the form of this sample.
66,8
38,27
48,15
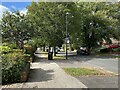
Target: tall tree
93,24
15,28
49,20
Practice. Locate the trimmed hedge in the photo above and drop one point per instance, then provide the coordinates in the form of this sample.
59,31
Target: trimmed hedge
12,64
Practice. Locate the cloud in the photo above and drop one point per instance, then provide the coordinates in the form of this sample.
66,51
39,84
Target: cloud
2,10
23,11
13,7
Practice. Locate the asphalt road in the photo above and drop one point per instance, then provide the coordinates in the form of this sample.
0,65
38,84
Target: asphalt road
100,81
103,62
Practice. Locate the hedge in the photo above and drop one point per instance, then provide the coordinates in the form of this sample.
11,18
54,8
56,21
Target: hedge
12,64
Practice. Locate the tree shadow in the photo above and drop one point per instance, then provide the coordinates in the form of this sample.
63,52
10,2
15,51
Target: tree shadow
40,75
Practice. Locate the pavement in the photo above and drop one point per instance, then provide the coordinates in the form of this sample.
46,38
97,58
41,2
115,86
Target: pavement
47,75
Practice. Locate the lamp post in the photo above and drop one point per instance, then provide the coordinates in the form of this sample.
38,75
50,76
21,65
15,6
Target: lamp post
66,34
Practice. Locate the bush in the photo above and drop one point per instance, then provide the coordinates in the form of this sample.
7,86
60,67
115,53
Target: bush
17,51
13,46
116,49
105,50
5,49
29,49
12,64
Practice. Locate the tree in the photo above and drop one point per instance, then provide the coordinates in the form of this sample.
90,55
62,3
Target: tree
15,28
49,22
93,24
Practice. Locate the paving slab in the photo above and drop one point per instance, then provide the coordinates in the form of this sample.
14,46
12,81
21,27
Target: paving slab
50,75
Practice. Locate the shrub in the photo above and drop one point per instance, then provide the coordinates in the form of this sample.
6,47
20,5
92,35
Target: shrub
17,51
116,49
13,46
5,44
105,50
29,49
12,64
5,49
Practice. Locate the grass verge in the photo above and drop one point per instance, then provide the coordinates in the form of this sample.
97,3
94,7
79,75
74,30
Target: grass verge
58,57
85,72
117,57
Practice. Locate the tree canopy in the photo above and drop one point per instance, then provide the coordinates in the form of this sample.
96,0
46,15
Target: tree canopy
89,23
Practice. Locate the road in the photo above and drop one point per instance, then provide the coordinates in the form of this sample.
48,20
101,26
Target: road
103,62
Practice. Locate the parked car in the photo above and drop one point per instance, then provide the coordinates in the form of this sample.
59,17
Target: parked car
110,48
82,51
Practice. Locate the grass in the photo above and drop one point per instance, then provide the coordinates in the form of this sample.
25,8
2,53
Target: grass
102,54
58,57
44,52
83,72
116,57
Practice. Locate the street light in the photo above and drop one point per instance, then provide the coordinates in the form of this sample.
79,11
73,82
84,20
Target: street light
66,34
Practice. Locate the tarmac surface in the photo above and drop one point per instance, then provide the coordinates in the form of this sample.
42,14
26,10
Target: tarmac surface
100,81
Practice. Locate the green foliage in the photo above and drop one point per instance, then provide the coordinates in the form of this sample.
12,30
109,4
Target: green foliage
45,24
93,23
13,46
116,50
12,64
15,28
48,22
29,49
5,49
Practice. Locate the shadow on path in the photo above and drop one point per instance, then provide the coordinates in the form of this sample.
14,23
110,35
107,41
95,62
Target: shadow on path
39,75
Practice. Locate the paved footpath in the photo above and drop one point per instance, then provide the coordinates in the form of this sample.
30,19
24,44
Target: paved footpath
48,75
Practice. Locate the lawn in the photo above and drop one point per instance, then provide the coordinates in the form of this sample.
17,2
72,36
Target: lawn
58,57
83,72
117,57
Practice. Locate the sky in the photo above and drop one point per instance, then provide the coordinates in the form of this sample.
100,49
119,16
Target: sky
10,6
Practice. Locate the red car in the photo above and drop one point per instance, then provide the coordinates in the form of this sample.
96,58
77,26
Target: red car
114,46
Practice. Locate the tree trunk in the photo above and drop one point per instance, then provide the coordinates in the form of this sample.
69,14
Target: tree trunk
44,48
49,49
20,44
54,51
89,50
